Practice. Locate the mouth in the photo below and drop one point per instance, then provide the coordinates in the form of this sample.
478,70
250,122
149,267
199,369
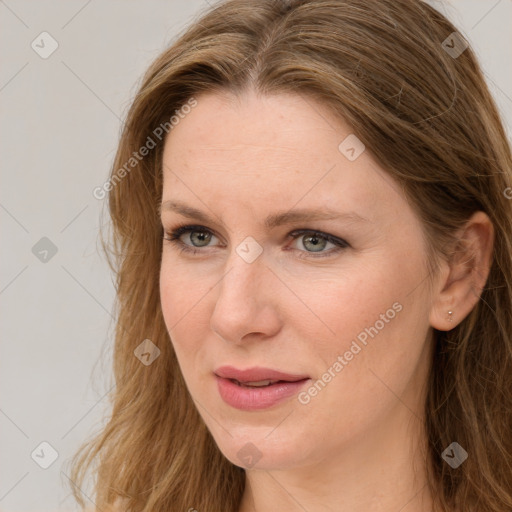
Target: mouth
257,388
259,384
257,375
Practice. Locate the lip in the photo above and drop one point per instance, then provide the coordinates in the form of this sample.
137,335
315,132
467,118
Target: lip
257,398
255,374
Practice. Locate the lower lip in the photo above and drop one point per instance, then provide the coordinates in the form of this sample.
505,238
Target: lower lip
250,399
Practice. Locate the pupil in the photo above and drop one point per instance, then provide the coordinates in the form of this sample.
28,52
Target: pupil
201,235
316,241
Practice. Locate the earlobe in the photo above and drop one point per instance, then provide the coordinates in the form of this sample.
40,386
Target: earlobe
464,277
443,299
443,317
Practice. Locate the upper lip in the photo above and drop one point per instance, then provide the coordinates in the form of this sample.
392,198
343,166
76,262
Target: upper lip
256,374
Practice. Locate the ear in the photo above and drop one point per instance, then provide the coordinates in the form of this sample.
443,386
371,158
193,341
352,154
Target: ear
464,276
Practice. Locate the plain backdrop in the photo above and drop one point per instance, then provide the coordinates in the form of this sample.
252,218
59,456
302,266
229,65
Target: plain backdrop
60,123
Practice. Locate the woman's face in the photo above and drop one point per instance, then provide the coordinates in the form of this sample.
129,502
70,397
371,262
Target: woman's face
345,318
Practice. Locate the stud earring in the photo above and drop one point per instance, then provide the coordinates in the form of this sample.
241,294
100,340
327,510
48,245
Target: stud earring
450,313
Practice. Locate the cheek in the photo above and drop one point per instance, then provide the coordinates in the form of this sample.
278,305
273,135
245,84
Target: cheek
182,297
349,304
182,287
375,314
379,316
185,320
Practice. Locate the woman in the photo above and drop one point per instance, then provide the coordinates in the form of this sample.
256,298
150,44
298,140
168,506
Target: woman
253,374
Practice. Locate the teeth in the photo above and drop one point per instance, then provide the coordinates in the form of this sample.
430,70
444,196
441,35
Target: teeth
257,384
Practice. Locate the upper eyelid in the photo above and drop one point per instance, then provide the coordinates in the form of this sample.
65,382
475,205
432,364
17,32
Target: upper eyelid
295,233
188,228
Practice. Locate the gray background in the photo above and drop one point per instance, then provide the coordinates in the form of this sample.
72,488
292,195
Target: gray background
60,124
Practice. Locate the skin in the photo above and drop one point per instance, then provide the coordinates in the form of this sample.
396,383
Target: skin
358,444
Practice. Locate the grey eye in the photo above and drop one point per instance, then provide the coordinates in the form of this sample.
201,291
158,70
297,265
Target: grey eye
202,237
316,243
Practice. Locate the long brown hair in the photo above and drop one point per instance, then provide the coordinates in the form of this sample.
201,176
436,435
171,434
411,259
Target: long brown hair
429,119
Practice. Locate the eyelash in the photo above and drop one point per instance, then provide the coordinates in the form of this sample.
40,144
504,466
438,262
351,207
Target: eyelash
173,237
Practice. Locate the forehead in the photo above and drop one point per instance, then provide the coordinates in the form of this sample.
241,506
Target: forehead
225,122
280,149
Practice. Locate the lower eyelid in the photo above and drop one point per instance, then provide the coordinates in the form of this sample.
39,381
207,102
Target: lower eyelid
174,237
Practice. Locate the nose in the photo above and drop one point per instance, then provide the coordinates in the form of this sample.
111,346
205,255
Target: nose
247,302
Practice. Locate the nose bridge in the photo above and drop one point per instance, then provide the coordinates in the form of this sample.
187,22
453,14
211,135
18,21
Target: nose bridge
242,279
245,262
242,301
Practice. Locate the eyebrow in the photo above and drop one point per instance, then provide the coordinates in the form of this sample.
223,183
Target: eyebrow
272,221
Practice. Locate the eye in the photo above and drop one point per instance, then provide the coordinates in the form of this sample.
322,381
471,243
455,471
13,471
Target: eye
313,241
205,235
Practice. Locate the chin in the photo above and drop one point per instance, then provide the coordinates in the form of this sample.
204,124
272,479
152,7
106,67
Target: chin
256,449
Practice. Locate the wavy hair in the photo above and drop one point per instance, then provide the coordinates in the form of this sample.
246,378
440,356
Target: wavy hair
430,121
